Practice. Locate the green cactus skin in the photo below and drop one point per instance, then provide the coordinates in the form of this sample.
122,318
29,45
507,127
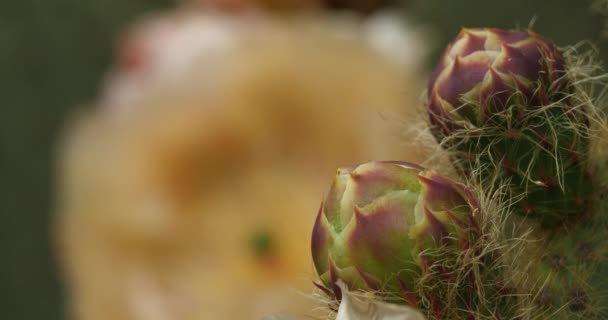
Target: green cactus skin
575,262
500,100
571,269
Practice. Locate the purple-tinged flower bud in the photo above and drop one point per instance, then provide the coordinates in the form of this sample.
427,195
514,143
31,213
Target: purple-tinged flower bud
503,102
485,70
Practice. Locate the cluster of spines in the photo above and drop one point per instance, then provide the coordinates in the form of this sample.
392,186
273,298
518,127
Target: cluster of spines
568,280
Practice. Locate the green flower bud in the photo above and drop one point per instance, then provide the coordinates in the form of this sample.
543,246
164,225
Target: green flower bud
377,221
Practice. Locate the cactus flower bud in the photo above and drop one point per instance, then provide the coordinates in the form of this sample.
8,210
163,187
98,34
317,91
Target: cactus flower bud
377,220
483,70
504,102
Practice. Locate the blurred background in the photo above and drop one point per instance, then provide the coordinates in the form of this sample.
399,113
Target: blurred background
54,57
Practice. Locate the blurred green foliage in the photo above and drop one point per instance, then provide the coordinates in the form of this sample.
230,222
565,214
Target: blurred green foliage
52,56
567,22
